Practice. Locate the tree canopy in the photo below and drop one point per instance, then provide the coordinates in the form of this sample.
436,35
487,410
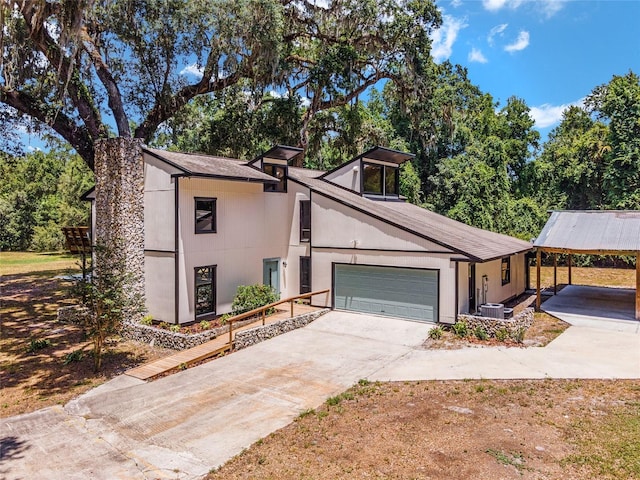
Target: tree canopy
92,70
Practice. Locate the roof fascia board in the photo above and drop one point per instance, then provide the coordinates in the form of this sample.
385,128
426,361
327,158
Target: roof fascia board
228,178
585,251
379,162
507,255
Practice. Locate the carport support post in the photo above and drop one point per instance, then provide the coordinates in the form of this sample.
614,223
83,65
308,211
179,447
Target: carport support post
569,265
538,259
555,273
638,286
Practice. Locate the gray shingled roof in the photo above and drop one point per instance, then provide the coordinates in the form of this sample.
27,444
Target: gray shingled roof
211,166
592,230
475,243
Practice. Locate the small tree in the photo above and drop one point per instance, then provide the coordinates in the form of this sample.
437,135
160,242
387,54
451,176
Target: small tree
107,300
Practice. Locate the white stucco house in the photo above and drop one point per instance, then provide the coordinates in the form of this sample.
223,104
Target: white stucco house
213,223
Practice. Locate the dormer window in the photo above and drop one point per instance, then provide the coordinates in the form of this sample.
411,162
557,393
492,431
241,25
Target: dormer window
379,179
279,172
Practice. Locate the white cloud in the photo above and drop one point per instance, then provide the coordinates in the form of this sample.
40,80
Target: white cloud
493,5
521,42
497,30
547,115
551,7
456,3
194,70
476,55
548,7
305,102
444,37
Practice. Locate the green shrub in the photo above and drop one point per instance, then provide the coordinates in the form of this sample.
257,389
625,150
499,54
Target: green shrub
502,334
174,328
204,325
436,333
225,318
38,344
480,333
460,329
74,356
249,297
147,320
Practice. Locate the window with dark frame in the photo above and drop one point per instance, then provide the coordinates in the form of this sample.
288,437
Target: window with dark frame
279,172
305,274
506,270
305,220
205,215
205,292
379,179
372,178
390,180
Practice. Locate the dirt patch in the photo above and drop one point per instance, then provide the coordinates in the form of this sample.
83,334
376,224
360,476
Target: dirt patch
43,362
538,429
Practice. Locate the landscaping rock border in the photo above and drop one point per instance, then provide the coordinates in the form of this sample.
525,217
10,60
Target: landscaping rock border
246,338
522,320
76,314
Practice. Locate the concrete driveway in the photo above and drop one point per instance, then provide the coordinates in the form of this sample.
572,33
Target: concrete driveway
183,425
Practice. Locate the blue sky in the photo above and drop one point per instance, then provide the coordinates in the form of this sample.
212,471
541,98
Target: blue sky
550,53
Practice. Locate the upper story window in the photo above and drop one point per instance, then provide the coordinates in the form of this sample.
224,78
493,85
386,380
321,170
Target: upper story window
506,270
379,179
305,220
278,171
205,215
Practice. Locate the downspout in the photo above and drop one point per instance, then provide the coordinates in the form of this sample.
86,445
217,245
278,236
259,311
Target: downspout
176,257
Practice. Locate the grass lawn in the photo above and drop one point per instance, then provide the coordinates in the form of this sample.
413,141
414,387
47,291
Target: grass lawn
12,263
43,362
597,277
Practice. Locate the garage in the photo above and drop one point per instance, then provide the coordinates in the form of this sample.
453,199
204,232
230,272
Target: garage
391,291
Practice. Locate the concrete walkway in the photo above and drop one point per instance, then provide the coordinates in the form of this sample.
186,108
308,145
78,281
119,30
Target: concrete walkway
183,425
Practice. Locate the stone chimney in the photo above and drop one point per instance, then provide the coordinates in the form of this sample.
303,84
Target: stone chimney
119,173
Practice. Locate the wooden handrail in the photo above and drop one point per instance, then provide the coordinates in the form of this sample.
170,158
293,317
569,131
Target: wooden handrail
264,308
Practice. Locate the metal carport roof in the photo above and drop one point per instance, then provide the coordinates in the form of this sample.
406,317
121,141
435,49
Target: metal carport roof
597,232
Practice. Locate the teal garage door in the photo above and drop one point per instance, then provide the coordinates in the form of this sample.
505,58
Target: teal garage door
394,292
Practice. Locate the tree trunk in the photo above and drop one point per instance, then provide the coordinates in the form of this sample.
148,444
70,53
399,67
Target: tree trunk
119,235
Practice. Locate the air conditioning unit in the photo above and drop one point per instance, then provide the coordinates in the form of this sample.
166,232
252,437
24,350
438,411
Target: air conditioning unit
492,310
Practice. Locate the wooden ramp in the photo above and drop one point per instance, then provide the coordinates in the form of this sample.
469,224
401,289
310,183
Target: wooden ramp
219,345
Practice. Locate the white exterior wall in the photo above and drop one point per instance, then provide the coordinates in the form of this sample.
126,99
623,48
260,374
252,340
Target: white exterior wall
296,249
463,287
336,228
497,292
347,176
160,285
159,238
159,199
252,225
336,225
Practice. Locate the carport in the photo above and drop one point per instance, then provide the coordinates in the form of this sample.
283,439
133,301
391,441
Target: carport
590,232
